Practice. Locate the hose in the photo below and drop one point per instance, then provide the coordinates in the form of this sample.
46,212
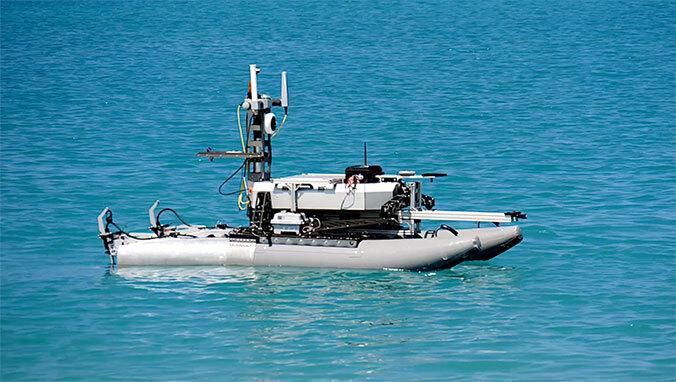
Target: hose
220,188
175,214
447,228
241,133
241,204
280,126
120,230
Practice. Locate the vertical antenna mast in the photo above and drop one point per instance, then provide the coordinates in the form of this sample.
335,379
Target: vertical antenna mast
261,125
284,98
253,84
366,163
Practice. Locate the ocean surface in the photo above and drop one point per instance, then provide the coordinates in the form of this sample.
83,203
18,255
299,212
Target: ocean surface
562,109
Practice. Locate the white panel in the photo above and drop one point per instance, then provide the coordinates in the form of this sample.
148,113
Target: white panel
370,196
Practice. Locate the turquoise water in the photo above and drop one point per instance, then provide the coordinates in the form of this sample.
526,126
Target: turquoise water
561,109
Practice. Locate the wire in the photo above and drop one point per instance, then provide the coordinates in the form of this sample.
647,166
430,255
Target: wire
350,191
249,122
120,230
175,213
241,204
239,124
280,126
220,188
265,199
123,232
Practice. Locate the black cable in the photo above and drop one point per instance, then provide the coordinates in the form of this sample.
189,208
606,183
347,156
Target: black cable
120,230
220,188
448,228
173,234
175,214
176,234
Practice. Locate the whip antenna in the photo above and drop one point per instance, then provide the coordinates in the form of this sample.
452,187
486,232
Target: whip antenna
365,155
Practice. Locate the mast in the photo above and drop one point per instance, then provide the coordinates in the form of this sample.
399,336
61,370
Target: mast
257,139
261,126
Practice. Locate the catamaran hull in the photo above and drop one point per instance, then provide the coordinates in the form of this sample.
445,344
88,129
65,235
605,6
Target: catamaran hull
441,252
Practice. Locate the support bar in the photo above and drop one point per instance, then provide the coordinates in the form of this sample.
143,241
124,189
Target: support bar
102,225
151,214
465,216
229,154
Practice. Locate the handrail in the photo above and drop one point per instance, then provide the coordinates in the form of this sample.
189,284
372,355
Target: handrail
102,227
468,216
152,216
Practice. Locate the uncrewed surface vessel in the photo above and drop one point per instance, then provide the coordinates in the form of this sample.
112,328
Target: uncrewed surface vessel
362,218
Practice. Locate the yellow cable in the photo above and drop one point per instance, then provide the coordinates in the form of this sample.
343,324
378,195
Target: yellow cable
280,126
241,204
239,124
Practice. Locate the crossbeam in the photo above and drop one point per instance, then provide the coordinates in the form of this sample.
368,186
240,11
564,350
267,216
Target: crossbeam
229,154
465,216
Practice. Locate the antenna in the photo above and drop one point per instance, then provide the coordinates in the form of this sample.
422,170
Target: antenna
254,86
285,94
366,163
260,129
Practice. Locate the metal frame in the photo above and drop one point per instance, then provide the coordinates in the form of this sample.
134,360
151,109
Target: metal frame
464,216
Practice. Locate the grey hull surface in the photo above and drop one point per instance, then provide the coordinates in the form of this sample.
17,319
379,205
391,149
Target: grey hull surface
443,251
